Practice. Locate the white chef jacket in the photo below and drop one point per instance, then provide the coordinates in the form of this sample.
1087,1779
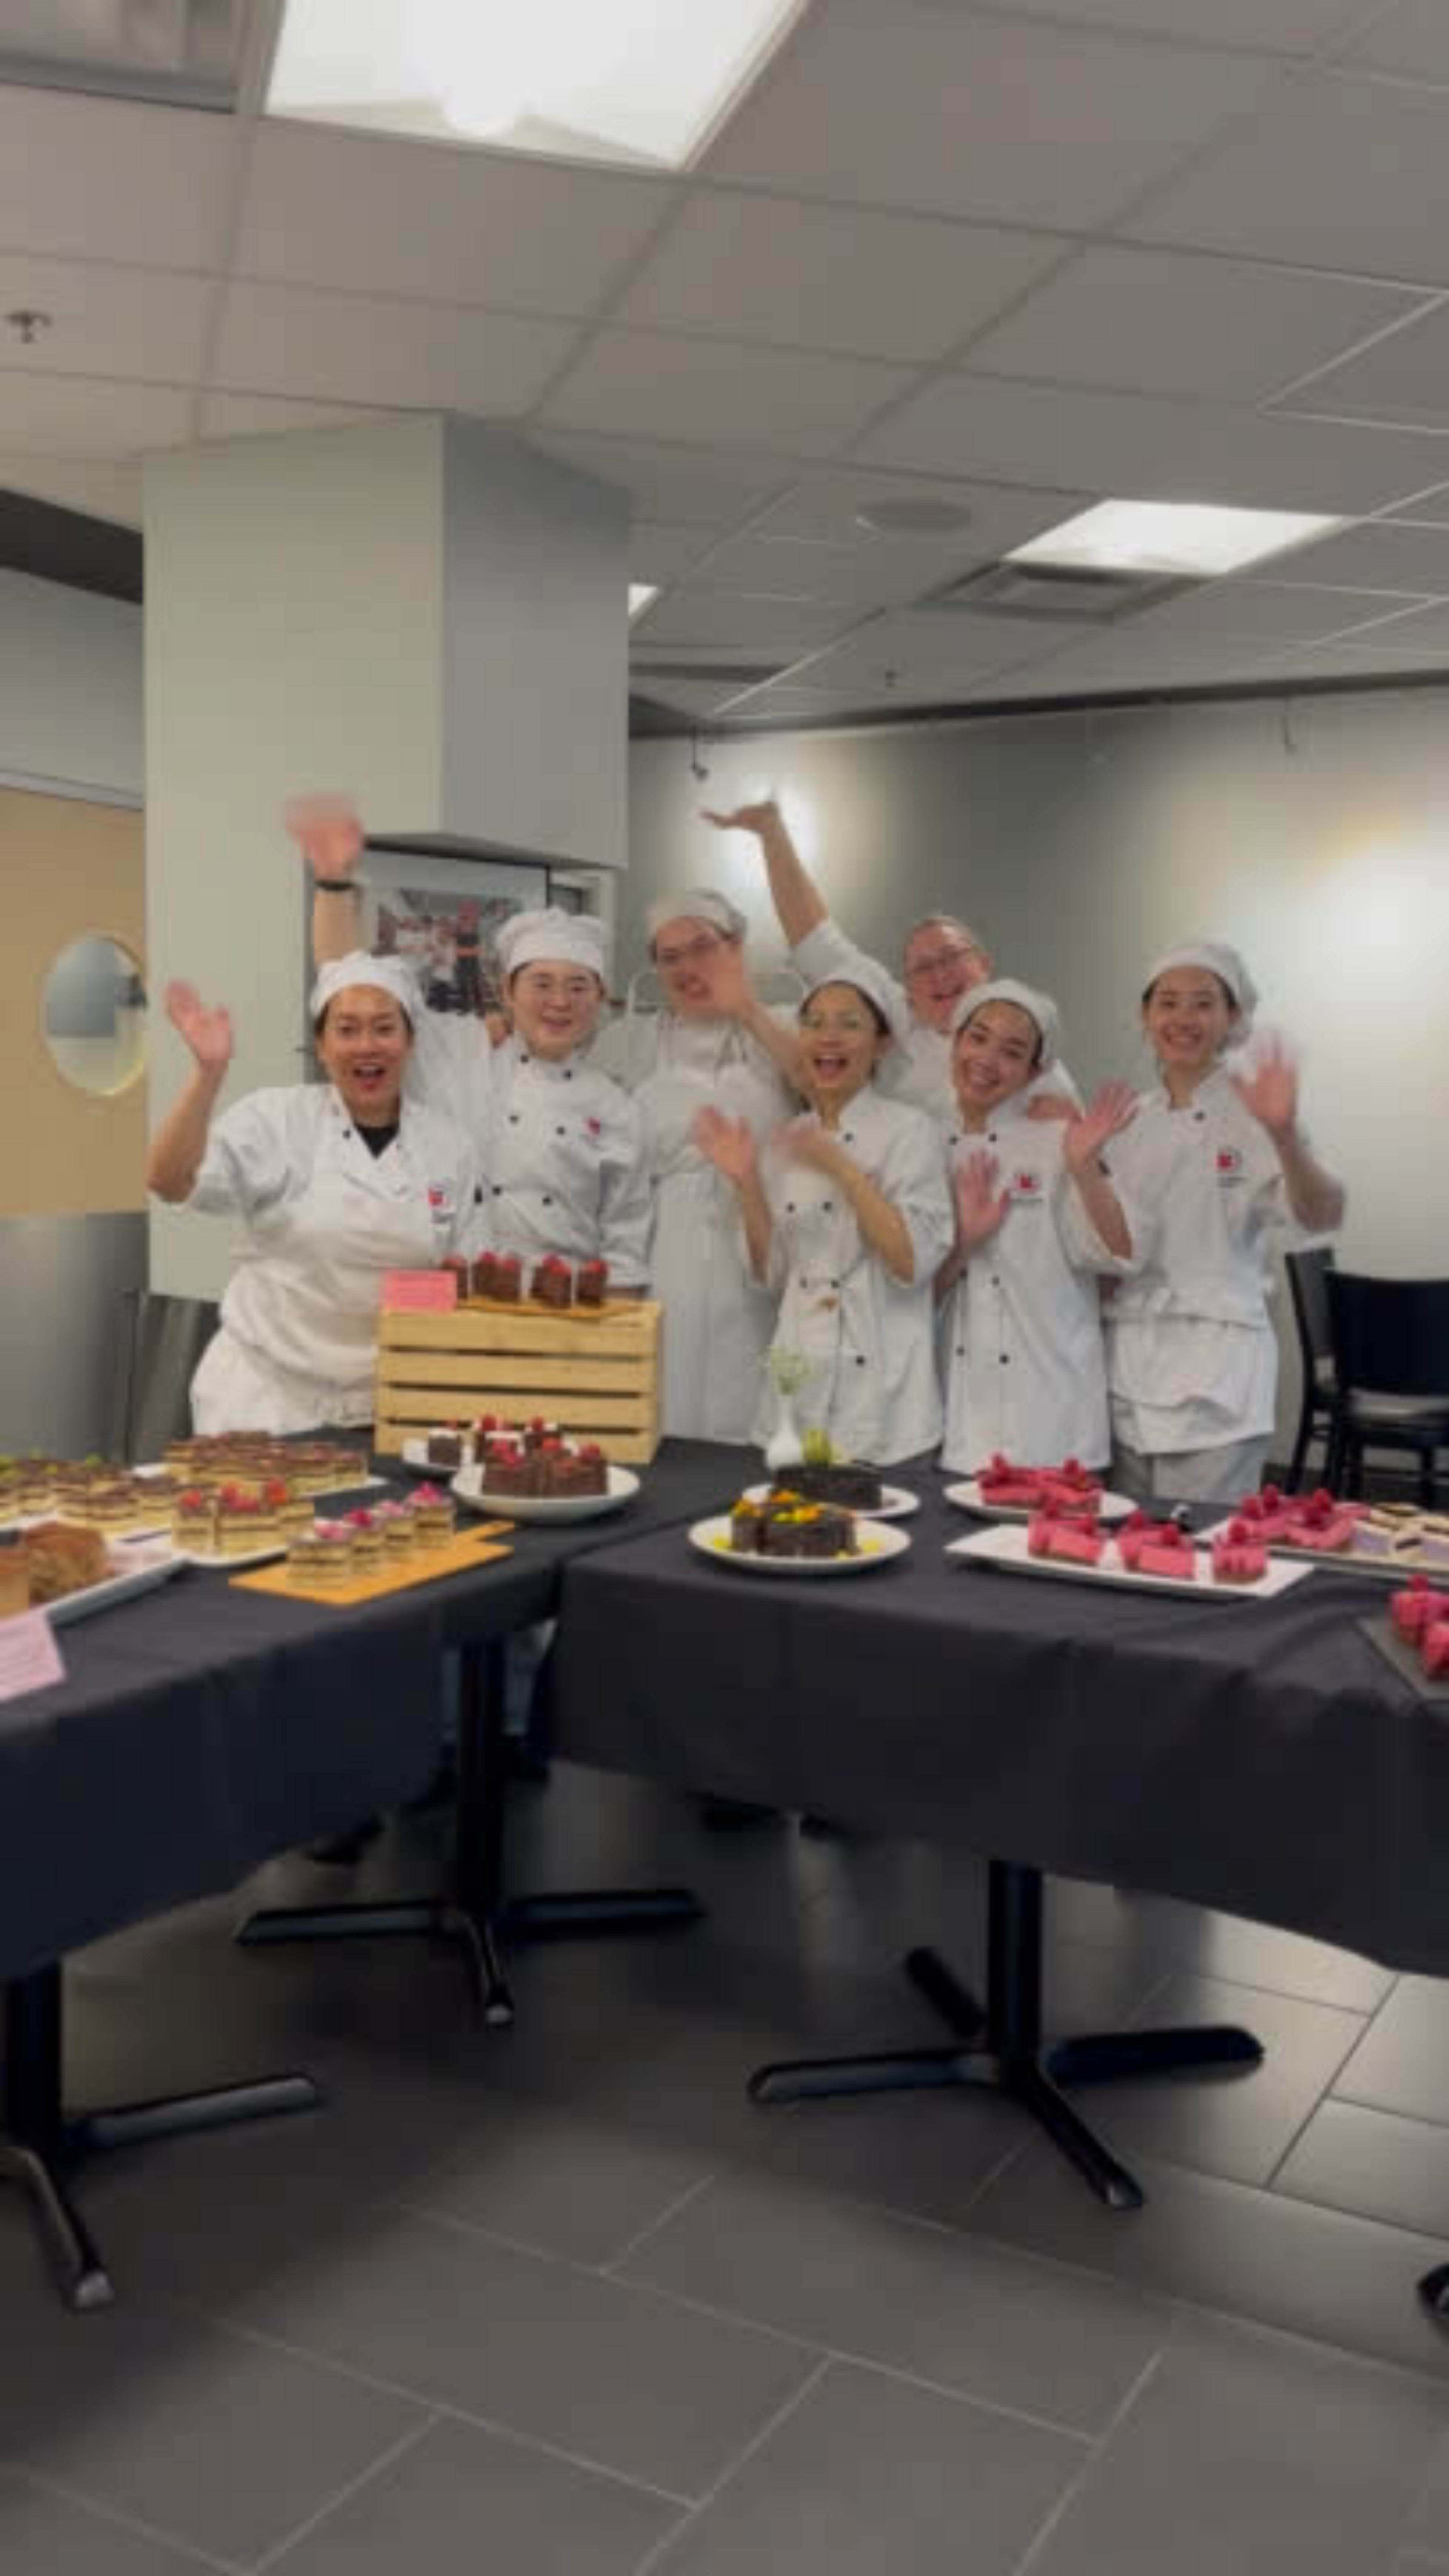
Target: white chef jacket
1026,1369
322,1218
869,1338
917,1069
562,1145
718,1317
1192,1358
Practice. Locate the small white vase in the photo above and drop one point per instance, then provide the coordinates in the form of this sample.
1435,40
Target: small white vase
785,1448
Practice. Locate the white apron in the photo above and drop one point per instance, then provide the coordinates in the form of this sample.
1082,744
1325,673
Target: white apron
324,1220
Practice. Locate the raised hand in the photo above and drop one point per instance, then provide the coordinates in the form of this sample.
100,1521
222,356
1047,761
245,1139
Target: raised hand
207,1032
728,1143
746,818
980,1206
1270,1092
328,830
804,1140
1108,1111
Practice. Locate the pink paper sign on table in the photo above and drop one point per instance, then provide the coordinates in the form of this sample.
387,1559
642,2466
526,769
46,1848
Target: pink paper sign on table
419,1292
29,1656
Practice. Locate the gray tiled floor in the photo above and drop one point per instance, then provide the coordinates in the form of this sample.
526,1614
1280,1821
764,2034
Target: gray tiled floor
563,2299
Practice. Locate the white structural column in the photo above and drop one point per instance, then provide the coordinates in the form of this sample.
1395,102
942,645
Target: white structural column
419,611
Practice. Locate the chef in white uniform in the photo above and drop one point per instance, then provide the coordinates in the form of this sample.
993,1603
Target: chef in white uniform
712,1044
332,1184
561,1144
847,1217
1217,1153
943,959
1037,1218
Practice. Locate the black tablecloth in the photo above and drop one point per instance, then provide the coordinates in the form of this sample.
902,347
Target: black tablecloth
201,1729
1257,1756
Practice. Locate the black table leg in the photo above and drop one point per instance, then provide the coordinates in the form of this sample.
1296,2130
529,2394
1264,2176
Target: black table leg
39,2143
477,1916
1000,2046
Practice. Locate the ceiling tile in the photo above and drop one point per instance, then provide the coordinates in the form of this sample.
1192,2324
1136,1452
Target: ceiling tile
371,349
1345,173
1418,630
1151,321
1428,509
684,486
458,227
916,107
77,416
688,697
270,416
99,489
1267,610
1381,554
879,573
1278,26
822,507
831,277
661,554
740,621
641,382
1411,43
139,322
90,178
899,656
1151,447
1404,378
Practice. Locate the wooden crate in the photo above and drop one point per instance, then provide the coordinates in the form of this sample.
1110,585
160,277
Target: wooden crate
598,1379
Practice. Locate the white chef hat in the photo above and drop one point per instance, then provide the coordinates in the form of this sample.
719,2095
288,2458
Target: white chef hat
1038,1007
1217,958
385,975
555,937
872,980
694,903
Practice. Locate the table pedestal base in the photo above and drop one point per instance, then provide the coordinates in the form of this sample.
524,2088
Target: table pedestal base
1000,2045
39,2144
477,1918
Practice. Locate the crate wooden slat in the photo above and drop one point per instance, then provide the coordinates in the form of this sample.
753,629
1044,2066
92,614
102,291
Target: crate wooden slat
599,1378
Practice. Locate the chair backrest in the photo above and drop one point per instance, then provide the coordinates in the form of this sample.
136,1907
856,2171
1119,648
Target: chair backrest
1390,1336
1307,1272
161,1340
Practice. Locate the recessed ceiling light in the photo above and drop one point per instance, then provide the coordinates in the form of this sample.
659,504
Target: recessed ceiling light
640,594
913,515
643,82
1170,537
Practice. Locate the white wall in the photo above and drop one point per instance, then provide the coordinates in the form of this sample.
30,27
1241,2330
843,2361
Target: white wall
1313,833
70,688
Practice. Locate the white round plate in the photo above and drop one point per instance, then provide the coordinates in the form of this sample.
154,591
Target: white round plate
1110,1507
875,1542
895,1503
545,1507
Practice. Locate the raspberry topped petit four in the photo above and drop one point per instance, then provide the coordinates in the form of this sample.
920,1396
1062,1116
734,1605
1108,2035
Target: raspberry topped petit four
1239,1557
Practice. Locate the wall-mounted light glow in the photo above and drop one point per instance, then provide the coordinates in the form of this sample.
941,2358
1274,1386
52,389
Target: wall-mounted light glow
1170,537
635,81
640,594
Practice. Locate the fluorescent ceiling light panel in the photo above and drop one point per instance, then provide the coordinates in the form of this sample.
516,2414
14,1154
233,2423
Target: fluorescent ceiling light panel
1170,537
185,53
639,82
640,594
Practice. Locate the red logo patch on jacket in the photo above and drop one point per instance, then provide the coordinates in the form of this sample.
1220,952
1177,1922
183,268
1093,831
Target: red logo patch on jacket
1025,1185
595,1126
1229,1161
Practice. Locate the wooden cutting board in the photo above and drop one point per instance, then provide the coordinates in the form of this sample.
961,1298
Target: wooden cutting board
462,1555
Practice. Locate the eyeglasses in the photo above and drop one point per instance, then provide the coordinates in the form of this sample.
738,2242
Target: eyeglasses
941,964
693,953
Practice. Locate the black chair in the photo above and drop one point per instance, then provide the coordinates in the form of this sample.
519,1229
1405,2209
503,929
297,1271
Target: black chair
1391,1365
161,1341
1318,1405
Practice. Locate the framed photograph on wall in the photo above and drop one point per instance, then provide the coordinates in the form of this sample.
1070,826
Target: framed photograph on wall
444,915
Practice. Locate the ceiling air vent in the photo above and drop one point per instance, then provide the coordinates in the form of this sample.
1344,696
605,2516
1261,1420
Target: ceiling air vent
1057,593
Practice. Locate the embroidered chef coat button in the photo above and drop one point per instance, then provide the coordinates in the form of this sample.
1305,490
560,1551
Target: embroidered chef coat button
960,1350
560,1131
513,1118
860,1359
789,1207
1005,1356
848,1136
995,1280
547,1200
1199,1115
498,1189
828,1206
568,1073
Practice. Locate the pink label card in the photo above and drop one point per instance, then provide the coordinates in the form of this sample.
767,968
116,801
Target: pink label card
29,1655
419,1292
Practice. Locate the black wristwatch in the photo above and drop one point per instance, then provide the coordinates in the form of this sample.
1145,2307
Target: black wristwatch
335,885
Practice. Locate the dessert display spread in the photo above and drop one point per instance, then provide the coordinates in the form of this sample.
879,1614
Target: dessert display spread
1066,1539
243,1459
1067,1488
58,1559
518,1459
1390,1537
788,1524
501,1278
1420,1618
